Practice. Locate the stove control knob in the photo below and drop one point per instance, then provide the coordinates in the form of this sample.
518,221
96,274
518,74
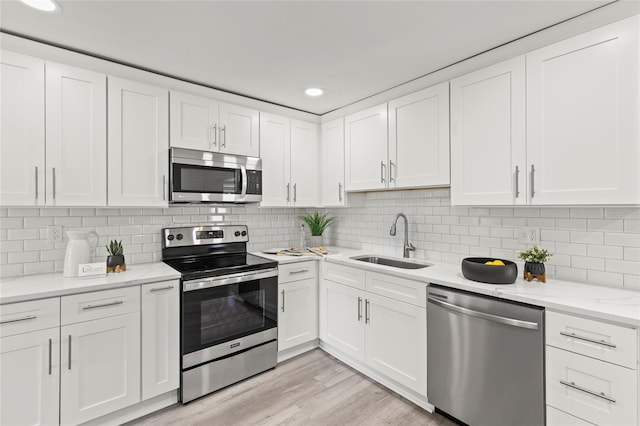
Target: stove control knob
237,233
170,237
244,233
179,237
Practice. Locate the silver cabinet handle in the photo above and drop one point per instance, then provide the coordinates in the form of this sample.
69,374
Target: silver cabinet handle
391,168
588,339
339,191
366,311
153,290
164,187
69,352
116,302
359,308
54,183
299,271
282,300
288,192
36,182
533,184
50,343
483,315
382,167
28,317
589,391
295,192
223,141
517,189
214,132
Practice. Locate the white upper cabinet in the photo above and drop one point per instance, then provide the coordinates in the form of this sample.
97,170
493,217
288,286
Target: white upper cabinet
488,136
366,149
583,109
275,138
419,138
332,164
239,130
138,144
205,124
22,130
305,164
76,133
194,122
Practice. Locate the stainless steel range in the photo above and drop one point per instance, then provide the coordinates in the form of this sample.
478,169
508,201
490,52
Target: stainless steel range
228,306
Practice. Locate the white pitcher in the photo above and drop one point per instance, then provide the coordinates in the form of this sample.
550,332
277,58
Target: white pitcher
78,251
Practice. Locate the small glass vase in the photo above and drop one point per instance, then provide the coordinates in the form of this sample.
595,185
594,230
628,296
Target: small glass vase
314,241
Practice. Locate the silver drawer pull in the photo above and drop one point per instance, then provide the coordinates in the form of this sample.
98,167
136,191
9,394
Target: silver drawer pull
585,390
299,271
117,302
588,339
153,290
28,317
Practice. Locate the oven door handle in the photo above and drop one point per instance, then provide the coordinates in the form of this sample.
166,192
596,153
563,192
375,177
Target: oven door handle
228,279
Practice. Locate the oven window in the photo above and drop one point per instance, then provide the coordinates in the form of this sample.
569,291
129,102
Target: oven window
220,314
202,179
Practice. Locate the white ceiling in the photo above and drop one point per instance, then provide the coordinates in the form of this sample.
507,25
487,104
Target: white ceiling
273,50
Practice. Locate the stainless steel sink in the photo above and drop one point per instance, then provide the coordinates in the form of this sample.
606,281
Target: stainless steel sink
395,263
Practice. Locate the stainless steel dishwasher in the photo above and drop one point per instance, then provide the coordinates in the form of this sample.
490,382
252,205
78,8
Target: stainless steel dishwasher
485,358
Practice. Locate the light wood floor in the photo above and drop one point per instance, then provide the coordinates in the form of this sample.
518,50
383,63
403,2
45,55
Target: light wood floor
311,389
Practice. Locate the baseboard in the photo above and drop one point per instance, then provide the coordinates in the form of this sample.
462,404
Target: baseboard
137,410
408,394
297,350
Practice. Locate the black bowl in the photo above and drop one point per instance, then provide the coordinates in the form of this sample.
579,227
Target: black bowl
474,268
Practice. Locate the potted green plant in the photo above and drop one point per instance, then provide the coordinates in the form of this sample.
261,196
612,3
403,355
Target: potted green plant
115,260
317,223
534,259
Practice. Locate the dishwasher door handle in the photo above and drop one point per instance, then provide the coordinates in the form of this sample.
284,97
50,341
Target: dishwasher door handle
495,318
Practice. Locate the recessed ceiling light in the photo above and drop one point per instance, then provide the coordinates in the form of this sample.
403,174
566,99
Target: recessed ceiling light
313,91
44,5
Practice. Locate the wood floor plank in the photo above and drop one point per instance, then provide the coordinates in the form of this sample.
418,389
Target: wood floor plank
311,389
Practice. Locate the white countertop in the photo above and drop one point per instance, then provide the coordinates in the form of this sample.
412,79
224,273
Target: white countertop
33,287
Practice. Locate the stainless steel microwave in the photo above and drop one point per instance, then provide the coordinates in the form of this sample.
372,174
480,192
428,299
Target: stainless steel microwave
211,177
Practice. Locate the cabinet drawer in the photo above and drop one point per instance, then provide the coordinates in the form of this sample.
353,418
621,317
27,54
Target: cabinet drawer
397,288
24,317
601,340
556,417
593,390
346,275
297,271
100,304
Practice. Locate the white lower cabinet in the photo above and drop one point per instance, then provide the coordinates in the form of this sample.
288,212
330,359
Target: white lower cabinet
297,304
30,372
100,367
160,307
387,335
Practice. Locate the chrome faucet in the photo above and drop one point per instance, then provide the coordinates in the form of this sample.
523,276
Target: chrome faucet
407,245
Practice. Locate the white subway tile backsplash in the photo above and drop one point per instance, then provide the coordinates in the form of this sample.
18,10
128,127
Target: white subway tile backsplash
571,248
632,282
54,211
577,224
632,226
555,235
611,252
622,266
587,237
11,222
619,239
585,262
23,256
609,279
11,246
37,222
632,253
95,221
21,212
607,225
587,213
23,234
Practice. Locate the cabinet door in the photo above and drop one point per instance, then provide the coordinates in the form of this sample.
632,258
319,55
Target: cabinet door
419,138
76,134
488,136
160,338
100,367
366,149
396,336
343,318
194,122
305,164
22,130
239,130
332,164
297,313
275,137
138,144
30,371
583,104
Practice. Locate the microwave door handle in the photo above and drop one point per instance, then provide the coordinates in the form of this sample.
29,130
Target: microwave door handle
243,170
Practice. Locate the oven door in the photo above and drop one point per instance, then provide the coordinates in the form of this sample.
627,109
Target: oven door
228,314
